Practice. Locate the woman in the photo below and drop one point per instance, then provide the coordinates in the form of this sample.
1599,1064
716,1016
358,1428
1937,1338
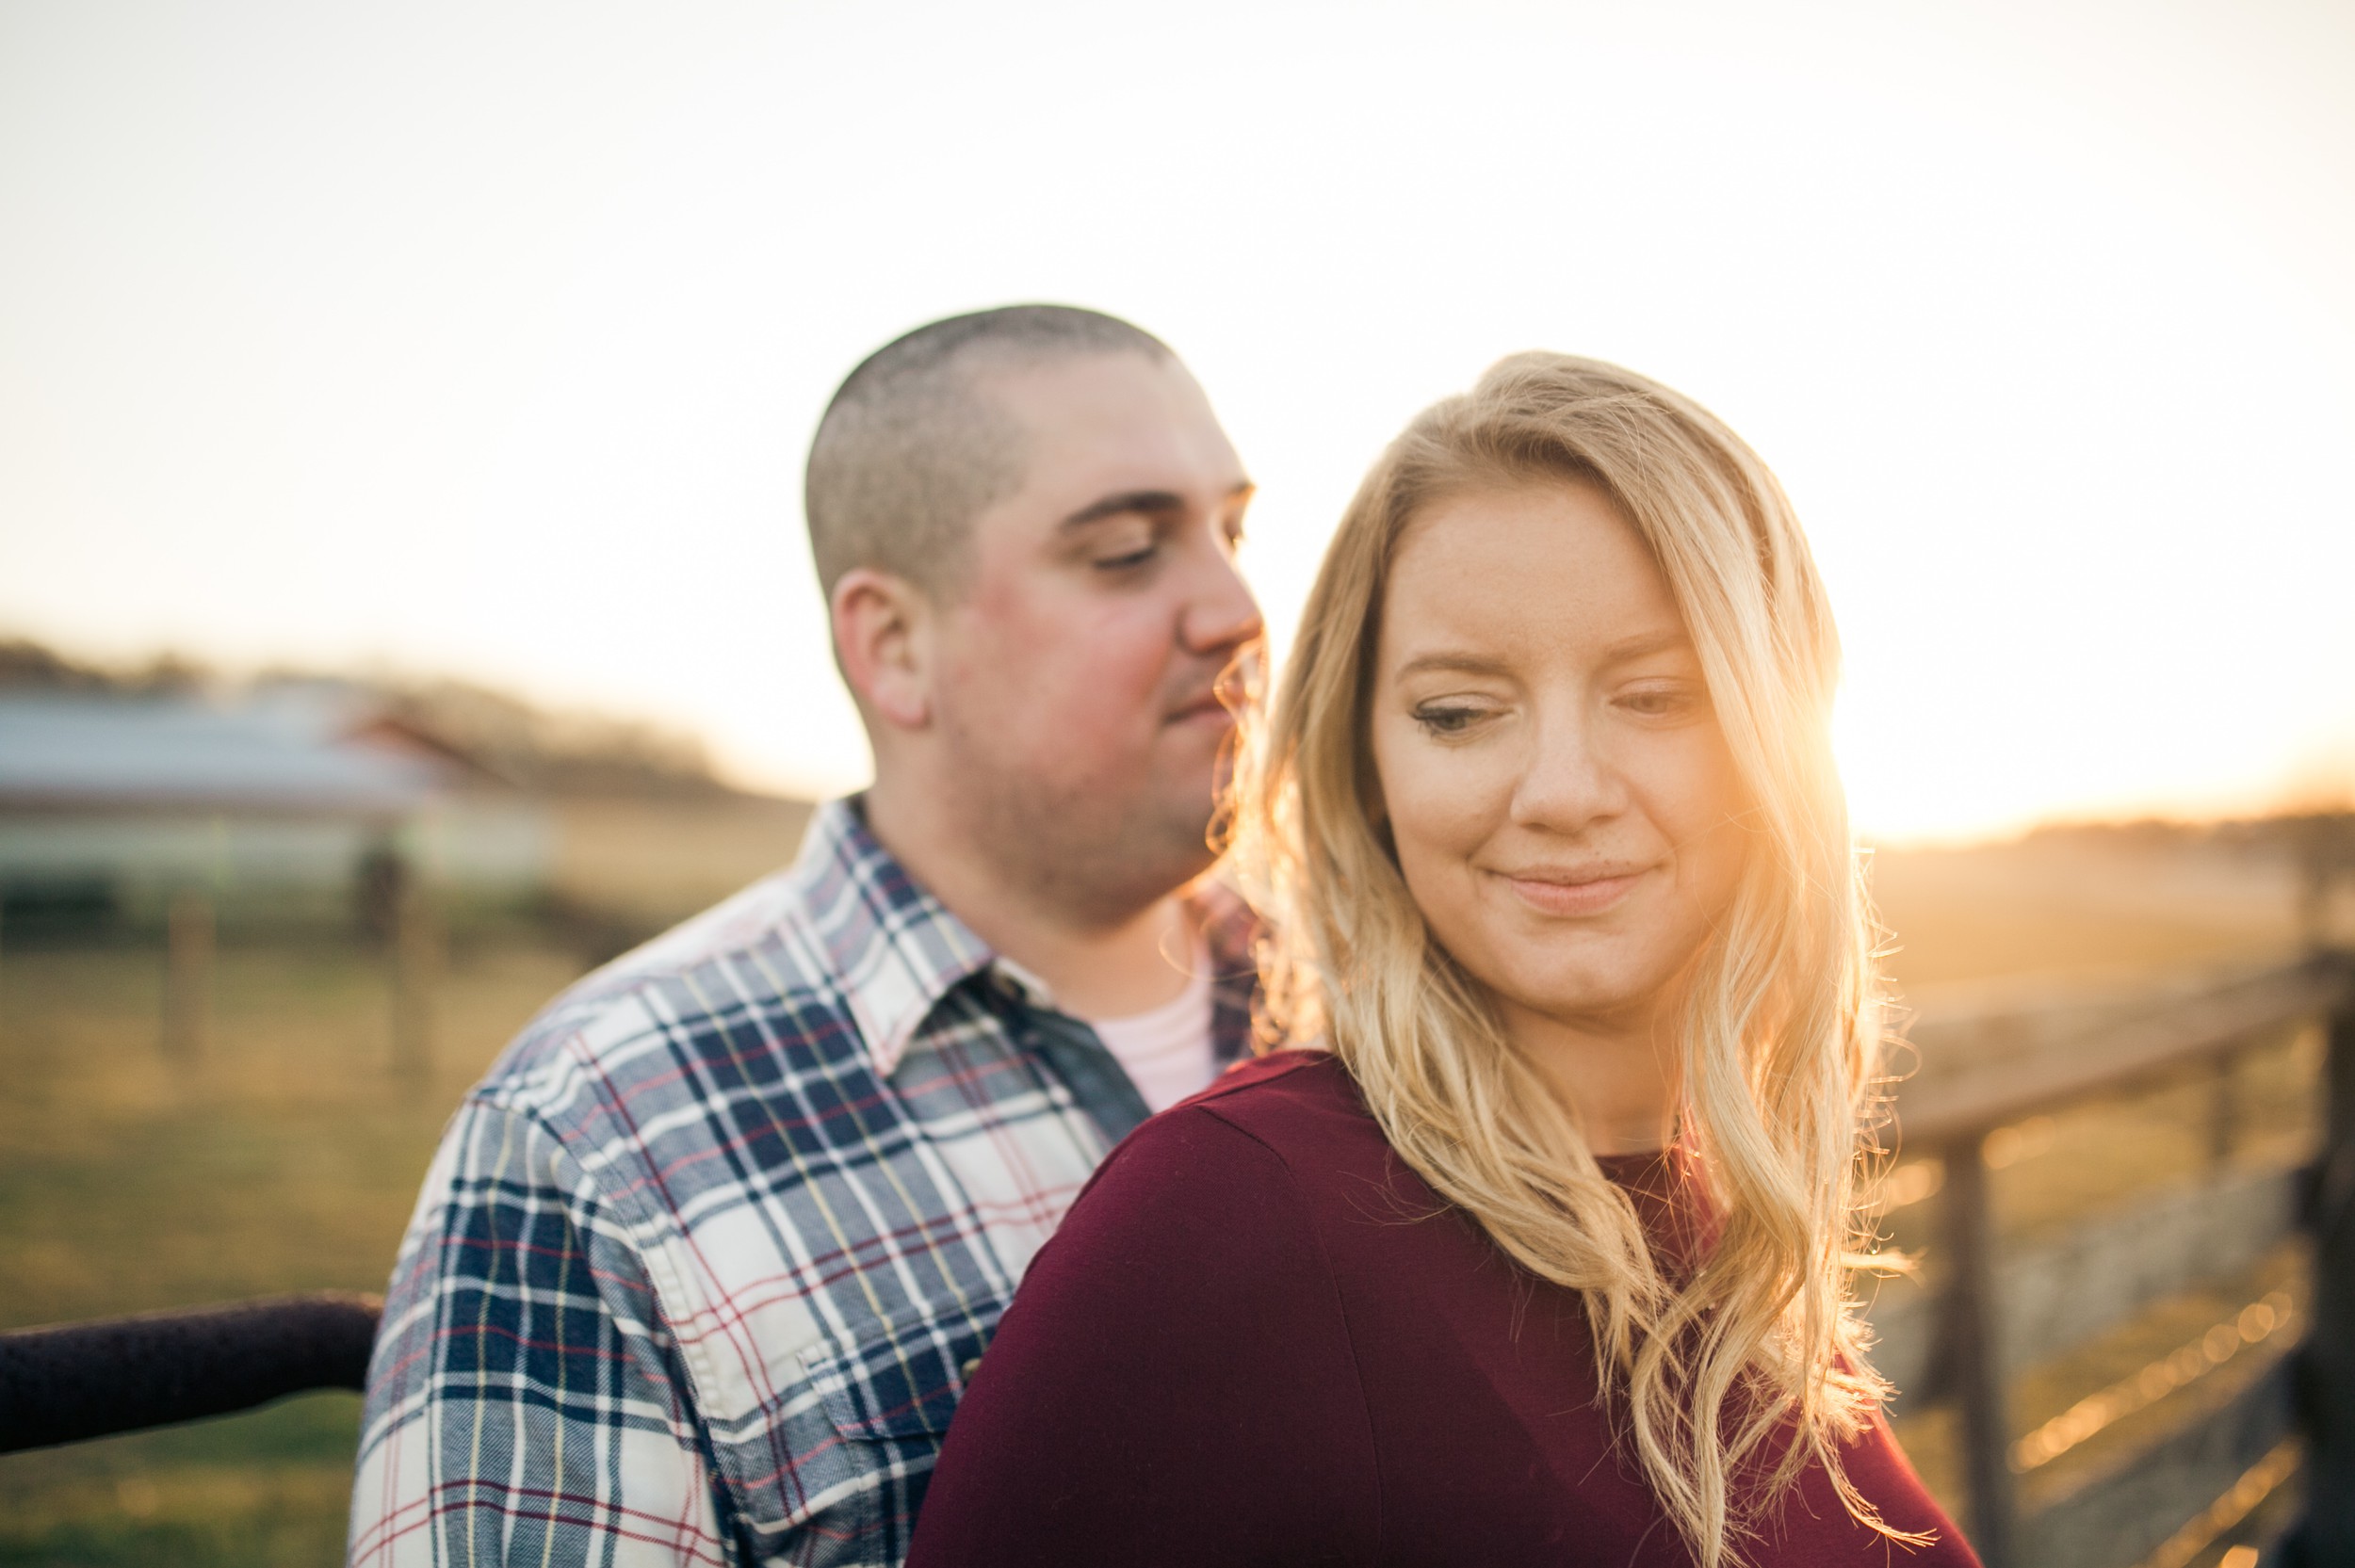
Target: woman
1536,1248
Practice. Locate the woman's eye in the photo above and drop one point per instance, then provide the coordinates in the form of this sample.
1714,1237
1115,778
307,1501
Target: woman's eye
1658,703
1446,719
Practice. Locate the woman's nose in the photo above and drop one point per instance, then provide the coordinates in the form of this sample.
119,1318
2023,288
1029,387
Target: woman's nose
1569,783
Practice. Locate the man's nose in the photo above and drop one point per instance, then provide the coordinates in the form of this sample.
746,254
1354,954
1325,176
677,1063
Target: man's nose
1220,614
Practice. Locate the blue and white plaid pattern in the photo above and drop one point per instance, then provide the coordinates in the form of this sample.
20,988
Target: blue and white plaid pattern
703,1265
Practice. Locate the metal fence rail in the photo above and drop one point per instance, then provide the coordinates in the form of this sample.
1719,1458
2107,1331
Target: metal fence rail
75,1381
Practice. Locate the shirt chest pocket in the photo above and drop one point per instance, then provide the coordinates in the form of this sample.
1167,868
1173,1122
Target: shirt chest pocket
858,1438
901,1384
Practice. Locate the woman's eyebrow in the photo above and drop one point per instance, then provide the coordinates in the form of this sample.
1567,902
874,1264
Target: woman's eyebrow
1459,662
1455,663
1644,644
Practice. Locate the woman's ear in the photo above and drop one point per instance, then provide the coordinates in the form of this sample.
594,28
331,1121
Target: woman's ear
883,638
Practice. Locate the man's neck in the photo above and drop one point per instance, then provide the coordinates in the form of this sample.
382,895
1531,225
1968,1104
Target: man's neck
1096,967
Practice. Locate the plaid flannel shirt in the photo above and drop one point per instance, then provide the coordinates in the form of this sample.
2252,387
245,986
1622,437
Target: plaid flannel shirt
703,1265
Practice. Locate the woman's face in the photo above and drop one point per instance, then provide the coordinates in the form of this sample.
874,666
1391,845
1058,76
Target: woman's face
1562,799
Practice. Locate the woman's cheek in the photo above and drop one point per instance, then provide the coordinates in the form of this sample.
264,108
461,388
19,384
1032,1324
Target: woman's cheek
1428,806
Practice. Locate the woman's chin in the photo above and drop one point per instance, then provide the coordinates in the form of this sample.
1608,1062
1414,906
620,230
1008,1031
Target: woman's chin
1593,1001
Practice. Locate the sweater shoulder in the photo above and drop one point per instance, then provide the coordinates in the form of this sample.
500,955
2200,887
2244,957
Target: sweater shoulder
1301,1107
1296,1102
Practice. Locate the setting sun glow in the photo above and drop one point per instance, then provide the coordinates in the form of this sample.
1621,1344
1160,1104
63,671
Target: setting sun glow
489,342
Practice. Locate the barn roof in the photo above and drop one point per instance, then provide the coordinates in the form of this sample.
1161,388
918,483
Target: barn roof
186,751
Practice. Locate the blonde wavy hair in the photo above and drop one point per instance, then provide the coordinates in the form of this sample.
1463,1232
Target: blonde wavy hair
1782,1010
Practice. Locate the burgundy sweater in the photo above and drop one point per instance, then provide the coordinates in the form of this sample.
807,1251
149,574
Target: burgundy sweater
1260,1338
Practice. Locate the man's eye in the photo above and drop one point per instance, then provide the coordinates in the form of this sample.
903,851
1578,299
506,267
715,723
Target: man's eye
1132,558
1446,718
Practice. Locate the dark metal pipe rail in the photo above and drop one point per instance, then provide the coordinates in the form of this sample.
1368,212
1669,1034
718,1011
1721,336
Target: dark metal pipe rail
75,1381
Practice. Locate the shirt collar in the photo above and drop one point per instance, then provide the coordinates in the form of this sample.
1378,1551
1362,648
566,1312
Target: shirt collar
1232,932
893,948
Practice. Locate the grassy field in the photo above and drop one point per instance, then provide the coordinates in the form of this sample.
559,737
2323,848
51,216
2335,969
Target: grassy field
288,1156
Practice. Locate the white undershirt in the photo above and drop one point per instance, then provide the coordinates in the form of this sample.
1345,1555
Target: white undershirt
1167,1051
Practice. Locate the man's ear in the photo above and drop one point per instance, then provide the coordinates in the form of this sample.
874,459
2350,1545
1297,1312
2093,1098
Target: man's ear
883,635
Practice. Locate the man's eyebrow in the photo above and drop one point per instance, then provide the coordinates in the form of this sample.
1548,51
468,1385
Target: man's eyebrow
1122,504
1150,503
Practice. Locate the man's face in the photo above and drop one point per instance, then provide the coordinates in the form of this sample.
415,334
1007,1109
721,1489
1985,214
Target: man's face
1079,672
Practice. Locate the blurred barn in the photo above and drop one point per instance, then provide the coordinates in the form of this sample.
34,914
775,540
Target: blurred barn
291,799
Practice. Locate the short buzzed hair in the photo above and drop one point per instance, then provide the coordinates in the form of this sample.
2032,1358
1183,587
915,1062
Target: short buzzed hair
911,448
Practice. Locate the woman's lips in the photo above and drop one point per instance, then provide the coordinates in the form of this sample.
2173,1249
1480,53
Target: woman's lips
1582,895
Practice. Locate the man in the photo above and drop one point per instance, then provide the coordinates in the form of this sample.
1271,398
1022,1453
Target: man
702,1267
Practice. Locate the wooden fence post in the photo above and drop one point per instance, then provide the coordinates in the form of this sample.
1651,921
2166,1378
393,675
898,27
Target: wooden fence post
188,977
2223,1110
2326,1370
2313,896
1974,1364
416,963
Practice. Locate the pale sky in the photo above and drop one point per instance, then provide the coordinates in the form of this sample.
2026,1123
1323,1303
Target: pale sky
486,339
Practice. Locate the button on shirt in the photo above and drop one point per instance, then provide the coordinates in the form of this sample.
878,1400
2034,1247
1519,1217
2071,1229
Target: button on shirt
702,1267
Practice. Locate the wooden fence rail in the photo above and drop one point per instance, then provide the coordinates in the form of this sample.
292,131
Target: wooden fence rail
1996,1314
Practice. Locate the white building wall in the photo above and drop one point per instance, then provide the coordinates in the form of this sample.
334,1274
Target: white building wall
492,847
